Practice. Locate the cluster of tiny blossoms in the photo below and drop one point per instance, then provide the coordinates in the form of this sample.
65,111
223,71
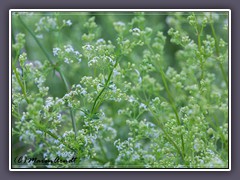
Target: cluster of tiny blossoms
134,95
67,54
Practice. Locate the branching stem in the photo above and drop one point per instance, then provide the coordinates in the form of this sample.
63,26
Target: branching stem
53,64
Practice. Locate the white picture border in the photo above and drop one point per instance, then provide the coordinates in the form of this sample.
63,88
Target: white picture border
118,10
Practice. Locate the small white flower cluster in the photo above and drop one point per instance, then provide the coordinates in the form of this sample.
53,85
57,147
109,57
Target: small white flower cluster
135,31
65,154
119,26
88,47
49,103
40,84
46,24
143,106
56,51
93,61
68,133
100,41
67,54
67,22
131,99
27,136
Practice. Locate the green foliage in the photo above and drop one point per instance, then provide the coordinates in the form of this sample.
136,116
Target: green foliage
115,90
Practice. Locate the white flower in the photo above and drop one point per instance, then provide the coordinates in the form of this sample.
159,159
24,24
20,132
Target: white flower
149,157
41,145
61,145
120,111
138,145
56,141
88,47
111,61
143,106
55,51
70,104
68,22
120,23
60,101
170,20
139,77
39,132
59,153
23,116
136,30
68,48
49,102
135,157
66,60
83,92
86,141
45,154
78,86
59,117
113,87
77,53
93,61
131,99
82,113
40,80
100,41
79,60
115,73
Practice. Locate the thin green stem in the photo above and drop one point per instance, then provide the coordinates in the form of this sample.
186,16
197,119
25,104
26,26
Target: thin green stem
102,149
95,101
37,41
94,107
73,123
171,100
23,87
44,129
169,138
53,64
64,79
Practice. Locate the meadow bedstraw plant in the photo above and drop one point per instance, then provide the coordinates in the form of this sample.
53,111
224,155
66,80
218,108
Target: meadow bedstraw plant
143,90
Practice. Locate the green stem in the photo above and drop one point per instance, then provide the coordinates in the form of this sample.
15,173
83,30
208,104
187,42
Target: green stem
170,139
73,123
37,41
64,79
55,137
94,107
20,84
171,100
102,149
53,64
95,101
